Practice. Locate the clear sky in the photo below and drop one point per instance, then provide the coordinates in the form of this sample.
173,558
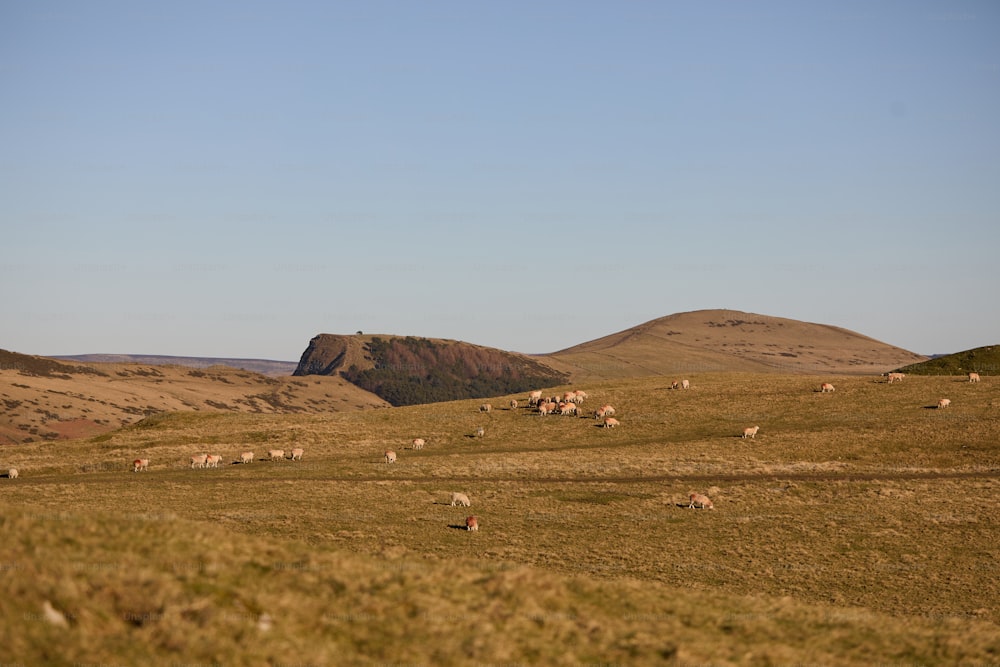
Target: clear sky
232,178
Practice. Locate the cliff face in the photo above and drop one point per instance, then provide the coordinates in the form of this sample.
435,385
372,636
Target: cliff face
409,370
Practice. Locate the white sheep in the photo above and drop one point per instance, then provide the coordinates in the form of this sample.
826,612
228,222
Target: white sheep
534,398
943,403
700,501
513,404
610,422
140,464
12,473
213,460
486,407
460,499
480,432
751,432
199,460
827,387
418,443
973,377
896,377
390,456
297,454
246,457
275,454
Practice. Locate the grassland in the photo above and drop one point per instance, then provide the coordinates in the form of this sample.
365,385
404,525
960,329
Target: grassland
858,527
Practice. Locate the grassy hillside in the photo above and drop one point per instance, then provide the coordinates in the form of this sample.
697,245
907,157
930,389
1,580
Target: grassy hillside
727,340
817,551
982,360
42,399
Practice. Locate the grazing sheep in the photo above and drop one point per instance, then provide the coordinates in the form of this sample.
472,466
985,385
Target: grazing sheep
199,460
610,422
390,456
534,398
297,454
275,454
12,473
567,409
751,432
700,501
480,432
140,464
213,460
460,499
826,387
579,396
418,443
486,407
943,403
546,408
513,404
896,377
604,411
973,377
246,457
471,523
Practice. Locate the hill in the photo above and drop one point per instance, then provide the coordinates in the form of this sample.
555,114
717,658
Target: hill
728,340
262,366
45,399
982,360
409,370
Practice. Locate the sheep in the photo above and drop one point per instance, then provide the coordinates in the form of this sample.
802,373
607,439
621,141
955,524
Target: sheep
390,456
297,454
460,499
546,408
751,432
896,377
604,411
13,473
480,432
418,443
610,422
472,523
140,464
700,501
486,407
513,404
567,409
534,398
580,396
213,460
275,454
246,457
199,460
943,403
826,387
973,377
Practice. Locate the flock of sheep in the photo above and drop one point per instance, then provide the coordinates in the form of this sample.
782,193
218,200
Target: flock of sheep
568,404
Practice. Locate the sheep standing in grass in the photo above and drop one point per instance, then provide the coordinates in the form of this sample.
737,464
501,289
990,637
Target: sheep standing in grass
460,499
140,465
480,432
246,457
213,460
610,422
471,523
12,473
418,443
275,454
973,377
700,501
943,403
534,398
567,409
390,456
546,408
896,377
486,407
513,404
199,460
826,387
297,454
604,411
751,432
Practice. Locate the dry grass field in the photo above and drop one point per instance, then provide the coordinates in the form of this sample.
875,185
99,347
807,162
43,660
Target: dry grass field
858,527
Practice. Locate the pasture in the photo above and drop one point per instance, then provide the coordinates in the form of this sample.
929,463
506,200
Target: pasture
859,526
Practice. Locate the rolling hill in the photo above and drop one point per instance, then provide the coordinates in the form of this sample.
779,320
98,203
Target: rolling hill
263,366
44,399
983,360
728,340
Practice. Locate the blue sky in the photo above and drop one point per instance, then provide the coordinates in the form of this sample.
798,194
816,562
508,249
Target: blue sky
230,179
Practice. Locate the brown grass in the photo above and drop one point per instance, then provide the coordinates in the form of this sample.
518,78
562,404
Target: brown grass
858,527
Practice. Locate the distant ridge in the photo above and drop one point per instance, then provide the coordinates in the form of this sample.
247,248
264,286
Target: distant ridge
729,340
983,360
263,366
